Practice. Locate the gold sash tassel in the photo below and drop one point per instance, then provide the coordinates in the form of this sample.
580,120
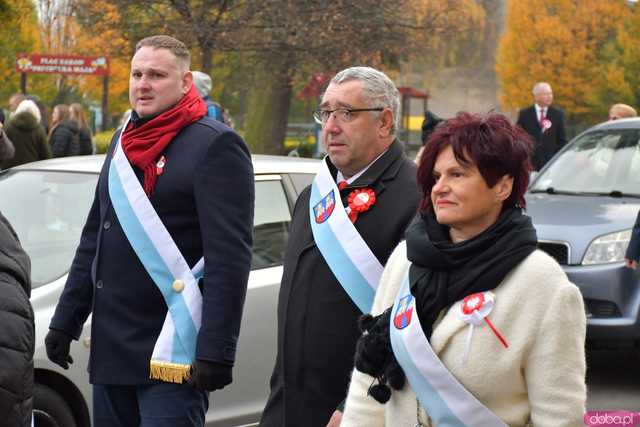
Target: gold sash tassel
169,372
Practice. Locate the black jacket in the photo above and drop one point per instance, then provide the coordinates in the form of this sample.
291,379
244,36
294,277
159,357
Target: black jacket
547,143
205,199
633,250
86,146
29,140
17,334
65,139
317,320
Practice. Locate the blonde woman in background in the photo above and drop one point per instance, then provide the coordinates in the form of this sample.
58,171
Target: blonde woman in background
621,111
77,115
64,137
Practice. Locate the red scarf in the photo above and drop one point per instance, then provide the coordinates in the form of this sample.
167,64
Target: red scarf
144,144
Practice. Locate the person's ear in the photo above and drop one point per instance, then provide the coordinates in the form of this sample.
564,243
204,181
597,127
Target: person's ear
503,188
386,123
187,81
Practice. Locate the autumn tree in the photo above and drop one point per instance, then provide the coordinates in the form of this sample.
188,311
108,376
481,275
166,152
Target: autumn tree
281,43
19,33
570,44
621,82
295,40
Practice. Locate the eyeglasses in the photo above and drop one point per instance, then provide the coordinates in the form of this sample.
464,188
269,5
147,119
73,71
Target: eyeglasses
344,115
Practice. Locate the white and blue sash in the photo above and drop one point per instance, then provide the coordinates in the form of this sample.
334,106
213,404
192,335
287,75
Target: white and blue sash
446,401
345,251
175,347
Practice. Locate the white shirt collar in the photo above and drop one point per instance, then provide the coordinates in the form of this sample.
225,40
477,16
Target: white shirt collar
340,177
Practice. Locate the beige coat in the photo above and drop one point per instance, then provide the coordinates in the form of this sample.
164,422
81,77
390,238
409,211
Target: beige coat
540,378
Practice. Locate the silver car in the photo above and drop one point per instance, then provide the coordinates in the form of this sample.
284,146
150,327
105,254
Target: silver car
584,204
47,203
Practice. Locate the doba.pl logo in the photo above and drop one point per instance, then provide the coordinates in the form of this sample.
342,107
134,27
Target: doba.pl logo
612,419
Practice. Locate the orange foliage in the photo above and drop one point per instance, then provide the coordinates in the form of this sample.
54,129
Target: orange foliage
104,38
564,42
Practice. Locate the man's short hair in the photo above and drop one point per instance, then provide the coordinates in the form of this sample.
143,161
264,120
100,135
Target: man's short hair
377,88
173,45
538,87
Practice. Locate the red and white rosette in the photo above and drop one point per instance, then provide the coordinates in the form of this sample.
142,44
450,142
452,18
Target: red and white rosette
360,200
474,310
546,124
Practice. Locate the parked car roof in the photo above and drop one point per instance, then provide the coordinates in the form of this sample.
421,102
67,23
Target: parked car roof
628,123
92,164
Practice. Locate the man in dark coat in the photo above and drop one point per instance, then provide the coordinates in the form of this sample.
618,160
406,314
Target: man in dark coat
191,184
544,123
317,319
17,333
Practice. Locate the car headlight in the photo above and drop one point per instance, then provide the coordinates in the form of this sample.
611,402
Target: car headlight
607,248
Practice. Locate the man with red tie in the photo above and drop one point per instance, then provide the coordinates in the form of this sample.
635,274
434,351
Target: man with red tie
544,123
343,230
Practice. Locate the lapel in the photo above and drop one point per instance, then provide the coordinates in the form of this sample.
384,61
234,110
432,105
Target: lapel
536,118
384,169
449,325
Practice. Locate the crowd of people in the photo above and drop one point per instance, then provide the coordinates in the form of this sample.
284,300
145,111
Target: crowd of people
412,295
27,134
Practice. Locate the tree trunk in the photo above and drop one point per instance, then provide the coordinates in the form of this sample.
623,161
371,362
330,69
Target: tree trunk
268,109
206,57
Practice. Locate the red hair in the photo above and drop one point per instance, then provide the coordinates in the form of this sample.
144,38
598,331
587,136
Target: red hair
491,142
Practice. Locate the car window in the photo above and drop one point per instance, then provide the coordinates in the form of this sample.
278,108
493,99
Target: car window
271,224
47,211
596,162
301,180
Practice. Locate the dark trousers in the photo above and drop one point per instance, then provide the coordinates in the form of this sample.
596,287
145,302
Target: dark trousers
151,405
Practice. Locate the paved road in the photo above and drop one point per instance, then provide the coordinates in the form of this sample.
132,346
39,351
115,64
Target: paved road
613,379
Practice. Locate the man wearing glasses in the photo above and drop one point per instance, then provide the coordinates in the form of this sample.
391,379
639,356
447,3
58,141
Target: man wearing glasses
344,227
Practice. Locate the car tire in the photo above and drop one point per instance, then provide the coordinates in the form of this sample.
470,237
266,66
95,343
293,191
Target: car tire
50,409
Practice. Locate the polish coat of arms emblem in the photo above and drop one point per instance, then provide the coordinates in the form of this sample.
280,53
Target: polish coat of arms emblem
324,208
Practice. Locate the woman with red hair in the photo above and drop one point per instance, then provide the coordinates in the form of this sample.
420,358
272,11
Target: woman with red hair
473,326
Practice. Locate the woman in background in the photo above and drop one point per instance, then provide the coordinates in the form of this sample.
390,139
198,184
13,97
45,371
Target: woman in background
486,329
64,136
25,131
77,115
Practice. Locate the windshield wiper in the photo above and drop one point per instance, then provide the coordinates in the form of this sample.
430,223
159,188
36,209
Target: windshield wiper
552,190
612,193
618,194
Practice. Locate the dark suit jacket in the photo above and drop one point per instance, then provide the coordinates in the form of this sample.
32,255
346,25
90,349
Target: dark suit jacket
317,321
550,141
205,198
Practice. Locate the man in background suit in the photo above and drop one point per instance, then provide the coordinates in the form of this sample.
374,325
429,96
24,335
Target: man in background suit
544,123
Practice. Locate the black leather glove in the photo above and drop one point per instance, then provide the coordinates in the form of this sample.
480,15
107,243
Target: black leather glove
57,344
209,376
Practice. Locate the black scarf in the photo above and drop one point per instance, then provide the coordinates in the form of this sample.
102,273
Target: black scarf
443,272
